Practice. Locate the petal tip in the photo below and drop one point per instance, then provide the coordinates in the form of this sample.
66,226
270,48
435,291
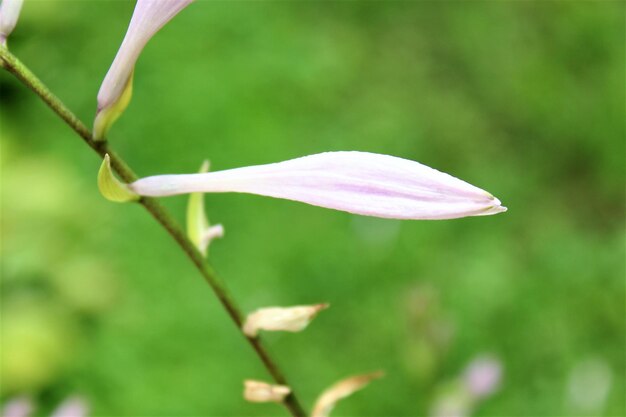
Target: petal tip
495,209
495,206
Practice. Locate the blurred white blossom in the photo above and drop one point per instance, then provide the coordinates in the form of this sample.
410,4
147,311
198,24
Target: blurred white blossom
482,376
460,397
23,407
18,407
588,387
71,407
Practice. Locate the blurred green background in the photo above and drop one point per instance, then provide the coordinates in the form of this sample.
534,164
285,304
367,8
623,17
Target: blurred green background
523,99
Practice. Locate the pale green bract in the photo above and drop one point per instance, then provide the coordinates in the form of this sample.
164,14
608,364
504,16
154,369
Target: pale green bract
199,231
110,187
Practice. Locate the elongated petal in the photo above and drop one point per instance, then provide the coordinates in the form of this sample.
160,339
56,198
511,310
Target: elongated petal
342,389
288,319
116,90
357,182
262,392
9,13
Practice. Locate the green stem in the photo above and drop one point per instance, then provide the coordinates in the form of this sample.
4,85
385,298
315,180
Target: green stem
157,210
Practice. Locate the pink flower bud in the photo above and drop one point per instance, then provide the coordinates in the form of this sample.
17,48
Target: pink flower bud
116,89
357,182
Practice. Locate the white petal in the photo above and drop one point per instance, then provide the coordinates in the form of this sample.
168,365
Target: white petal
357,182
289,319
342,389
262,392
9,13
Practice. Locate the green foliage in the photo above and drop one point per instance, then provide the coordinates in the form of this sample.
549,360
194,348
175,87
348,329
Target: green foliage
524,99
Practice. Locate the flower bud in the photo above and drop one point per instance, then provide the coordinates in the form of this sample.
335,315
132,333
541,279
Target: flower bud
262,392
357,182
9,13
342,389
288,319
115,92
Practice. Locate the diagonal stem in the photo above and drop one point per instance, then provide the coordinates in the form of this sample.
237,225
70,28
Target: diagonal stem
157,210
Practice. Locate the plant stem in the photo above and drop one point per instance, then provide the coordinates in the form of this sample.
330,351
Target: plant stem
157,210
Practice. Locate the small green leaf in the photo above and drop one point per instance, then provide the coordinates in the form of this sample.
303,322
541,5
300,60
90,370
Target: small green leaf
110,187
